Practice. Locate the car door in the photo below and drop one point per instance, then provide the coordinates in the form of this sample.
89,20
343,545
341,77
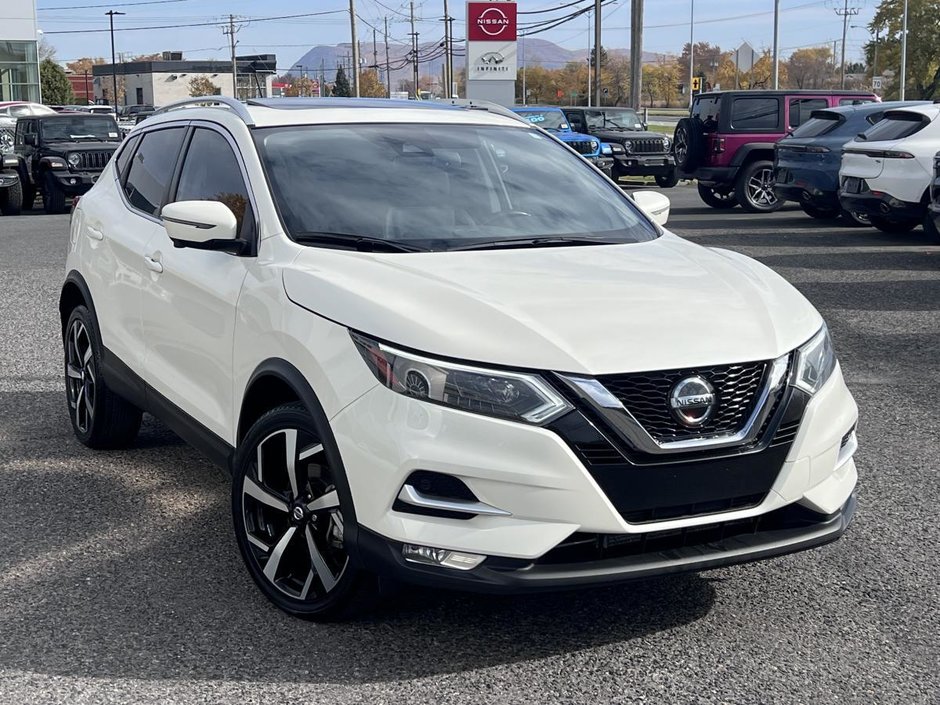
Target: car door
188,306
118,230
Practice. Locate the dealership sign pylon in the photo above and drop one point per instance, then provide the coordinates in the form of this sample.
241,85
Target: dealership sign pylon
491,51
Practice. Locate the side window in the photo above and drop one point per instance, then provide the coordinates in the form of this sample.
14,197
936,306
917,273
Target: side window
152,169
802,108
211,173
855,101
759,114
124,156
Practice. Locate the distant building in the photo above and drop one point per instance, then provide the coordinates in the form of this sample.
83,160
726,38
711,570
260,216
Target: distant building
161,82
83,86
19,51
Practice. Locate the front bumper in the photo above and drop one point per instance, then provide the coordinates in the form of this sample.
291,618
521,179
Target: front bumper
605,164
553,492
882,205
75,183
8,179
644,165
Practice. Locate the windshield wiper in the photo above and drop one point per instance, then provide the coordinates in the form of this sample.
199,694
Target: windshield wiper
559,241
362,243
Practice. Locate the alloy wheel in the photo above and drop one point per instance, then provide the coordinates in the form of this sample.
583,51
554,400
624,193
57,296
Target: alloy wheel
680,146
760,188
80,377
292,518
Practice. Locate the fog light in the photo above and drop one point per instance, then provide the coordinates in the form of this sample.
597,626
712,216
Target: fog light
441,556
72,181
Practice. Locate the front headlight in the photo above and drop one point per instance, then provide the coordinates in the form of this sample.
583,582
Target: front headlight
510,395
815,362
595,146
666,144
74,160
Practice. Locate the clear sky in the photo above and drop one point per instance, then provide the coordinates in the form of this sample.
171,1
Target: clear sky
666,24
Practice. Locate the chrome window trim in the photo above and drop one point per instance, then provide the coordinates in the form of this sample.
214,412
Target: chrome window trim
626,424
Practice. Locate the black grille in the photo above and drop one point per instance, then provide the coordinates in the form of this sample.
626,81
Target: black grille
648,146
681,511
582,146
646,396
93,161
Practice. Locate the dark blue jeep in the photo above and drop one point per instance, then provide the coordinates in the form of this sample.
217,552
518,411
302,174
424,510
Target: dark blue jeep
554,120
806,163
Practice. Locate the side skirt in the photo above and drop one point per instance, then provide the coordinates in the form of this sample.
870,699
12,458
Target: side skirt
127,383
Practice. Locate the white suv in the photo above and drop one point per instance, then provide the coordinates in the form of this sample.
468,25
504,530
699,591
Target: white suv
886,170
435,345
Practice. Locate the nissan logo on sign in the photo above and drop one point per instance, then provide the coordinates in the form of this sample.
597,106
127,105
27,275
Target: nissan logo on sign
491,21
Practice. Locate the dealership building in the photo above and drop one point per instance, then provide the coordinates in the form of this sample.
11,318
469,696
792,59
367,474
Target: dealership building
169,79
19,55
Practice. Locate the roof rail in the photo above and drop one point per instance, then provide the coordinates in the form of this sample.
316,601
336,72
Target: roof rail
222,101
488,106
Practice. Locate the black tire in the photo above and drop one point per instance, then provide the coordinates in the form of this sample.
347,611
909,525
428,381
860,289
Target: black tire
895,227
271,511
688,145
930,228
668,180
11,199
29,191
820,213
722,199
53,198
754,187
855,220
100,418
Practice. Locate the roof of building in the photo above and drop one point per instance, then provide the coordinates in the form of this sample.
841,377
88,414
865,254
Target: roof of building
256,63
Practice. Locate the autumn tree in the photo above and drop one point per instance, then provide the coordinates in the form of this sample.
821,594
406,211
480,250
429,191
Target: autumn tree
299,86
370,86
660,82
201,85
54,84
923,59
810,68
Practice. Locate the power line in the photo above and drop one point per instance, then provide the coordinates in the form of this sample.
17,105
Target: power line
220,23
109,4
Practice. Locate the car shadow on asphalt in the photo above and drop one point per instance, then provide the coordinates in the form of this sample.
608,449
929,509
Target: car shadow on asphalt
122,563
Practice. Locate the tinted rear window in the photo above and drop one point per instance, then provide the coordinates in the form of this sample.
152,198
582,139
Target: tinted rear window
821,123
895,126
755,114
706,111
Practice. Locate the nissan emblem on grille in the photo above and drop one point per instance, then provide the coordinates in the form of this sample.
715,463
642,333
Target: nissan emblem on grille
692,401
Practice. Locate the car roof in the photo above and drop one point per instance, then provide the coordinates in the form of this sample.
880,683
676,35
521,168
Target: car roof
518,108
870,107
930,110
795,91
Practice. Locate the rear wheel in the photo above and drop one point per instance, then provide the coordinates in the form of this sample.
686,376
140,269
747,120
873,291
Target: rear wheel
893,226
100,418
288,521
855,220
755,188
721,198
930,228
53,198
819,213
668,180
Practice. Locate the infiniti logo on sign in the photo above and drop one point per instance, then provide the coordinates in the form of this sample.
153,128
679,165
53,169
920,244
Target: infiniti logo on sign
692,401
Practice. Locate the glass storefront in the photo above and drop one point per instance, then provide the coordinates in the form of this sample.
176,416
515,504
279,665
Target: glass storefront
19,71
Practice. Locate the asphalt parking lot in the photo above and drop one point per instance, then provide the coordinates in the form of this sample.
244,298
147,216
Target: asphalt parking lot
120,581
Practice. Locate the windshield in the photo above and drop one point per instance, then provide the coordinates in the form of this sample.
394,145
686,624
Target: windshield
80,127
613,118
546,119
441,187
819,124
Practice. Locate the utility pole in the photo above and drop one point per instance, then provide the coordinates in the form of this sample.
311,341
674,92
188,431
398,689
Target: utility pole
597,52
524,87
414,50
776,44
845,12
388,64
589,93
448,79
903,53
450,56
355,47
692,49
636,53
231,32
111,14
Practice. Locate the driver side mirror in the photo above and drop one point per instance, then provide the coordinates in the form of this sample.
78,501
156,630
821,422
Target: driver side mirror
654,204
30,139
202,225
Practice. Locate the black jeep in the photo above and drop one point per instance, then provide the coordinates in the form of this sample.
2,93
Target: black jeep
62,155
636,151
11,191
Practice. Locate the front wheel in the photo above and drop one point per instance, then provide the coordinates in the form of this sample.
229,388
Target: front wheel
668,180
288,521
11,199
819,213
755,188
893,226
718,198
855,220
53,197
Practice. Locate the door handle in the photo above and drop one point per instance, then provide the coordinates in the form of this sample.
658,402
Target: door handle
94,233
152,264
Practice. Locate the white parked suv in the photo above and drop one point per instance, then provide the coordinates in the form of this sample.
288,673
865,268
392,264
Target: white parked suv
435,345
886,170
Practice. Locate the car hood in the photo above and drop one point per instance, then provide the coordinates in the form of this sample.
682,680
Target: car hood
81,146
600,309
622,135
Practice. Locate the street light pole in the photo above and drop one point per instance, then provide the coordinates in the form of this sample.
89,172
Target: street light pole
776,44
111,14
903,52
691,47
597,53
